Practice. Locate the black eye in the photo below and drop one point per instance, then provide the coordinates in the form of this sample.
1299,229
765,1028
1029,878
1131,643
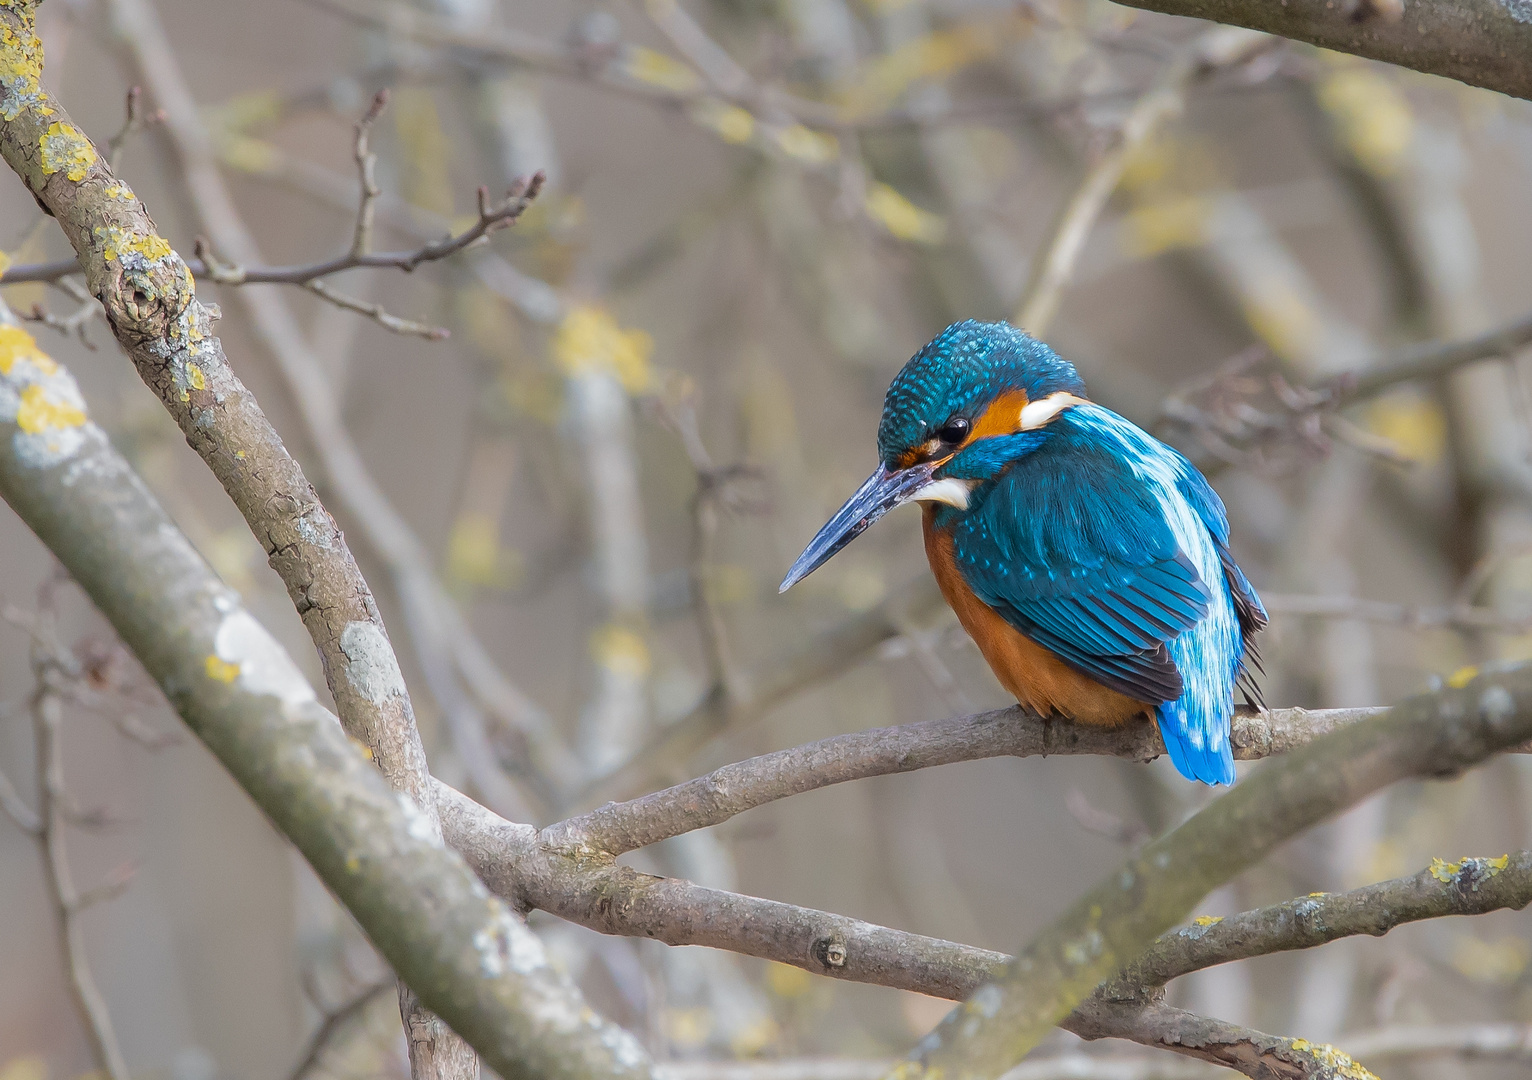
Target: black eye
954,430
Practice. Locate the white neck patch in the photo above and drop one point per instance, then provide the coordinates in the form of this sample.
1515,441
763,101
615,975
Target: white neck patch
1035,414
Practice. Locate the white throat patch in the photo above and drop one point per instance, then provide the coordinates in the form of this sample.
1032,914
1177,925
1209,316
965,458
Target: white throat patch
951,491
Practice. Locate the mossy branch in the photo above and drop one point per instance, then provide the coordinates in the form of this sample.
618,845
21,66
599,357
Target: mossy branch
1437,734
470,957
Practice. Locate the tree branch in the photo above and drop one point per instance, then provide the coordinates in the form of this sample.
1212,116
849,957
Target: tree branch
1254,1053
1015,732
1479,42
141,554
474,962
1433,359
1437,734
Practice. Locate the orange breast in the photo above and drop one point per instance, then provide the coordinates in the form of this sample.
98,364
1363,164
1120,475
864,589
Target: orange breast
1037,678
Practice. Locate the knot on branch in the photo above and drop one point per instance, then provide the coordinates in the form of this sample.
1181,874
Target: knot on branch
144,292
831,952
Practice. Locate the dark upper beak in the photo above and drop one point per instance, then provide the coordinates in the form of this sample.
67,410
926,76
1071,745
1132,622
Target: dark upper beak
884,490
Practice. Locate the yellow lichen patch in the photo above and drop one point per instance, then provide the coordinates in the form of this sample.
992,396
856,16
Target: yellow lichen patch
1284,320
754,1037
1496,962
249,155
589,339
1445,871
657,69
120,244
1339,1063
1372,118
933,56
786,981
732,123
807,145
119,191
38,412
16,344
619,649
1462,677
1207,920
902,218
65,149
21,68
474,553
220,669
427,150
363,748
1168,225
1412,422
195,377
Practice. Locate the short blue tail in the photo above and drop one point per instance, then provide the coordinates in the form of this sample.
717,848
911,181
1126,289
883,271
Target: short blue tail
1199,750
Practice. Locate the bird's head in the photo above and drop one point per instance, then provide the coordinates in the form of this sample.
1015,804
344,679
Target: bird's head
975,399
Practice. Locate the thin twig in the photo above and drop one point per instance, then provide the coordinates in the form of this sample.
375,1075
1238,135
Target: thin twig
52,668
133,120
367,168
1054,265
334,1022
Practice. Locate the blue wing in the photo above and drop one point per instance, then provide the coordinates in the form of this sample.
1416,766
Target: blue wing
1074,551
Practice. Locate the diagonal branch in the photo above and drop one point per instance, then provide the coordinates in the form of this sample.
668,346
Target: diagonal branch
1052,268
1437,734
478,964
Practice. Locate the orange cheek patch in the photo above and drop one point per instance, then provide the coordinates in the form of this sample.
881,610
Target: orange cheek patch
1003,417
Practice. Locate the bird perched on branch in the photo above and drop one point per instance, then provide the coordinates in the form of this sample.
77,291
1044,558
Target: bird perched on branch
1088,561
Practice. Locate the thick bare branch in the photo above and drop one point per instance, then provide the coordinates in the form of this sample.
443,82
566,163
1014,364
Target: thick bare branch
474,961
1479,42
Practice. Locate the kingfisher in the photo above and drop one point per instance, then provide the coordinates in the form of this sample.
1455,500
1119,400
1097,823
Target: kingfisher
1088,561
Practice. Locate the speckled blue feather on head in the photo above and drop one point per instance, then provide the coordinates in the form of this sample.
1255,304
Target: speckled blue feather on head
962,370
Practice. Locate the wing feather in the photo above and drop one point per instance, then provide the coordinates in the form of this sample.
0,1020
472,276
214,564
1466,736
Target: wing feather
1076,553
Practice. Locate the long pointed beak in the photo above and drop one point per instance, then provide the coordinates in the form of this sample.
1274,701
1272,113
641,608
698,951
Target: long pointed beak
884,490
